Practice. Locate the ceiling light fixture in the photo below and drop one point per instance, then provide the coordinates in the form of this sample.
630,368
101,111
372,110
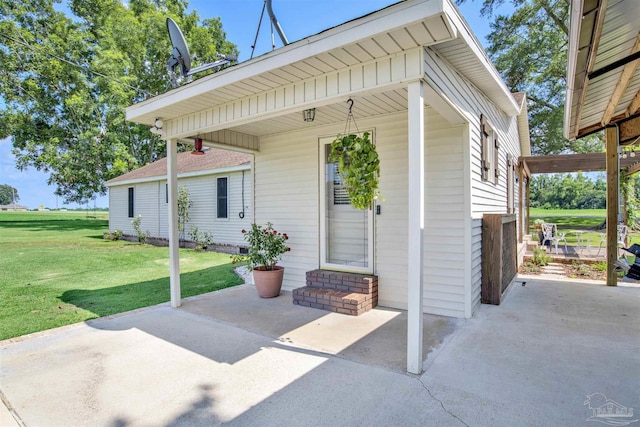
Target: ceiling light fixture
309,115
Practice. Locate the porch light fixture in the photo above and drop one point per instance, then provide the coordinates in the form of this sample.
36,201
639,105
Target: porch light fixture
197,147
158,127
309,115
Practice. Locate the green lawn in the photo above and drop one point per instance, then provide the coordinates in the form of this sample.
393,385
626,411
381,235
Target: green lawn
577,219
56,269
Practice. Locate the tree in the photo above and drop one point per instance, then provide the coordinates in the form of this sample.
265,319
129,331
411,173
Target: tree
8,194
529,49
567,191
65,81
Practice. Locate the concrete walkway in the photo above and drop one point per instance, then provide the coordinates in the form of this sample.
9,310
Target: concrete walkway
232,358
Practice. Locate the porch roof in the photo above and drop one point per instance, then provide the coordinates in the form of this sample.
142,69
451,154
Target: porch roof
585,162
603,78
389,32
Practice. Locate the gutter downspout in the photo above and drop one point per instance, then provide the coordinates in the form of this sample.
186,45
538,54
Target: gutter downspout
275,23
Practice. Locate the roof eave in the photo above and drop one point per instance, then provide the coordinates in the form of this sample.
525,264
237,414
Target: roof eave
505,100
569,130
350,32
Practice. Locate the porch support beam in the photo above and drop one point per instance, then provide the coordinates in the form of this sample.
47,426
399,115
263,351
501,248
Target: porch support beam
611,141
174,253
416,226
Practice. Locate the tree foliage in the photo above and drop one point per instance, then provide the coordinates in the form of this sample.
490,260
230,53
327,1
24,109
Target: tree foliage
529,49
567,191
8,194
65,79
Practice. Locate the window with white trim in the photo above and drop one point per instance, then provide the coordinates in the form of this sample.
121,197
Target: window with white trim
222,197
131,198
490,151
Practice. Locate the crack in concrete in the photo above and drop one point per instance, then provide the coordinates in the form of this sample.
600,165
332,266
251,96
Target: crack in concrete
440,402
12,411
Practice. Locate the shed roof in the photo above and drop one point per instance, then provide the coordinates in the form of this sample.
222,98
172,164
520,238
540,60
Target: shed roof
213,160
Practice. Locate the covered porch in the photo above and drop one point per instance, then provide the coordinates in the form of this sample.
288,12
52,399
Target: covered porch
603,91
399,66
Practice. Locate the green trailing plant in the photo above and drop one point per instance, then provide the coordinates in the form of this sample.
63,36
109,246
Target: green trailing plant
358,166
202,239
266,247
142,235
540,257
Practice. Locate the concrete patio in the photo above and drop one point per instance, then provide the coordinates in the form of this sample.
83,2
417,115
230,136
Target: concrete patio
230,357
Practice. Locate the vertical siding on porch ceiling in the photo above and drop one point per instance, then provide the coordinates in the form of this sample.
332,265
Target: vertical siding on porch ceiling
389,70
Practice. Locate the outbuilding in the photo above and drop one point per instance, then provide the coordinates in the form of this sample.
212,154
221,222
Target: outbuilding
219,183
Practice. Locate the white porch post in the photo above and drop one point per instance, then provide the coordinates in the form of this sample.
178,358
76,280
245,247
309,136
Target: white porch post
416,226
174,243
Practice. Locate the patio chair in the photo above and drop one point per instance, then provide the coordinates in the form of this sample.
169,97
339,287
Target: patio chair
559,237
547,233
623,231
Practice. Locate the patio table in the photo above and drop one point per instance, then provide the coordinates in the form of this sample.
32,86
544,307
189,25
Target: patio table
580,243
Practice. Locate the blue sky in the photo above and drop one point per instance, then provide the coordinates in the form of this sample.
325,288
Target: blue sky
298,18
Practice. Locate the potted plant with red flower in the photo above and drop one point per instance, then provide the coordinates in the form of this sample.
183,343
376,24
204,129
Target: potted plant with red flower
266,248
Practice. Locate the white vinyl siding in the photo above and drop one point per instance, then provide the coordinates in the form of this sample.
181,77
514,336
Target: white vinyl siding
286,160
286,188
486,197
476,263
119,210
151,203
444,251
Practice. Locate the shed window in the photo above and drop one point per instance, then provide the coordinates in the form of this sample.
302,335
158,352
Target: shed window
490,151
166,193
223,197
130,202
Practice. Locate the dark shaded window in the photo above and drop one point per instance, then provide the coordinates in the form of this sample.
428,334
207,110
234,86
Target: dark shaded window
223,198
130,202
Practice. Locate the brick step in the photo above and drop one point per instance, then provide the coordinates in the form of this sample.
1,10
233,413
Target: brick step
338,301
341,281
340,292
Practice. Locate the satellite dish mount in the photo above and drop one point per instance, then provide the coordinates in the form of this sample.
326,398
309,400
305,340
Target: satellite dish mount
181,57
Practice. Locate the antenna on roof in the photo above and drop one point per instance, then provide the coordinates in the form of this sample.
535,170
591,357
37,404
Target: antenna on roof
180,55
274,23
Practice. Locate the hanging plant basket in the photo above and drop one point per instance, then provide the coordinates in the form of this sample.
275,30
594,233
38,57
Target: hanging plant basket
358,166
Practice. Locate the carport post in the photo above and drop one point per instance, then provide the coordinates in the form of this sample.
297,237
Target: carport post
611,141
416,226
174,243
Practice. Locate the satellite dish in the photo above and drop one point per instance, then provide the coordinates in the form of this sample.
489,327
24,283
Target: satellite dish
180,54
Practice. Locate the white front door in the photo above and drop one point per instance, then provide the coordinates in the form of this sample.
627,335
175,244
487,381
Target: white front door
346,233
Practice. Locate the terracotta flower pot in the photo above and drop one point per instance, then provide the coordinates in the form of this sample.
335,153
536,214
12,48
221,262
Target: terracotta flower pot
268,282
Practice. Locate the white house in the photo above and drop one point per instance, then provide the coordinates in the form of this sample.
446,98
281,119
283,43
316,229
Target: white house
424,87
220,188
